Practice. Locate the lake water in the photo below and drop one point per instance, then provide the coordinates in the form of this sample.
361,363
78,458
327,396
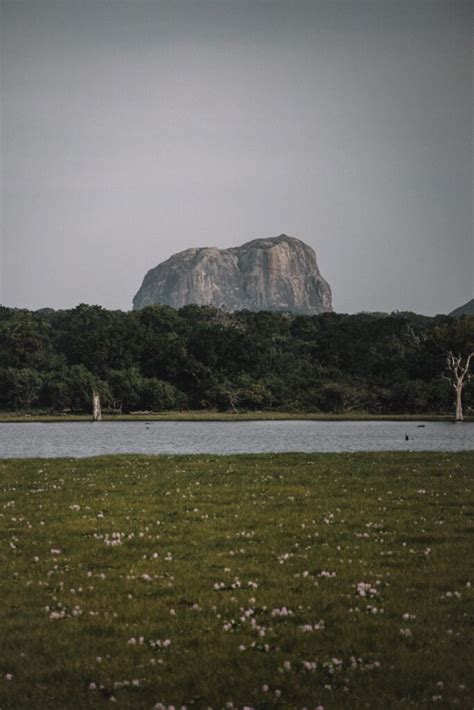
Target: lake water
82,439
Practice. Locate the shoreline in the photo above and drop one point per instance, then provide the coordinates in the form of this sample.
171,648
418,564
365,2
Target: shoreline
210,416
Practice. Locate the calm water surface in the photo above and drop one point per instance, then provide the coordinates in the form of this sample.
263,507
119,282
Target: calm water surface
82,439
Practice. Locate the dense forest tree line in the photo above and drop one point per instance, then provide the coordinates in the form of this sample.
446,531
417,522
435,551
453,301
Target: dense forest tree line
200,358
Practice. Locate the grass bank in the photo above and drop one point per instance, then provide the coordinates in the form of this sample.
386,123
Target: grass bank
268,581
213,416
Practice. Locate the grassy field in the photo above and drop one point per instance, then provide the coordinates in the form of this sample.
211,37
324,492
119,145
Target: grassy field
273,581
212,416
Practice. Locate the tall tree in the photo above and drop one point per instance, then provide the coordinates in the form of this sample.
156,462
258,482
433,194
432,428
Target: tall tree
458,368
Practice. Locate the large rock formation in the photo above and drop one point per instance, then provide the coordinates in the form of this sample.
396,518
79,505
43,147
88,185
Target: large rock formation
466,310
277,274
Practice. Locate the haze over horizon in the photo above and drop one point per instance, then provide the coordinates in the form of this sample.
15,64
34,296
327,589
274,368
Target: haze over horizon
134,130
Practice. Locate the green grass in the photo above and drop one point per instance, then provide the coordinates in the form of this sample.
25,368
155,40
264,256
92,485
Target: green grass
271,532
213,416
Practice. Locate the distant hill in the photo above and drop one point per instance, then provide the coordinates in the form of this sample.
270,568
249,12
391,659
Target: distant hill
276,274
466,310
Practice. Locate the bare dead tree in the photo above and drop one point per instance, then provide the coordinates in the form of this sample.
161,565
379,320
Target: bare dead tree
96,408
459,375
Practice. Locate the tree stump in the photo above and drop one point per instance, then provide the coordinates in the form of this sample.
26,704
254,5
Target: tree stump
96,409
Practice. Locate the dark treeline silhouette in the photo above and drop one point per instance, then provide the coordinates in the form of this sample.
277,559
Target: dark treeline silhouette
202,358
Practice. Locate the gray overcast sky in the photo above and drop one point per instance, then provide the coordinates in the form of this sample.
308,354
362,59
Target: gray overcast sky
135,129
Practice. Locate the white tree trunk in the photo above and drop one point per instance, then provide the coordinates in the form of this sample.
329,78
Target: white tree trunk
96,409
458,417
459,375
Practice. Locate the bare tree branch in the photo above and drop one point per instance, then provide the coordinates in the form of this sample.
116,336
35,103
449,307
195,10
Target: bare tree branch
459,370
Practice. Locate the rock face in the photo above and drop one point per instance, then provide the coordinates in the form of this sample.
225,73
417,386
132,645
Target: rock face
466,310
275,274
